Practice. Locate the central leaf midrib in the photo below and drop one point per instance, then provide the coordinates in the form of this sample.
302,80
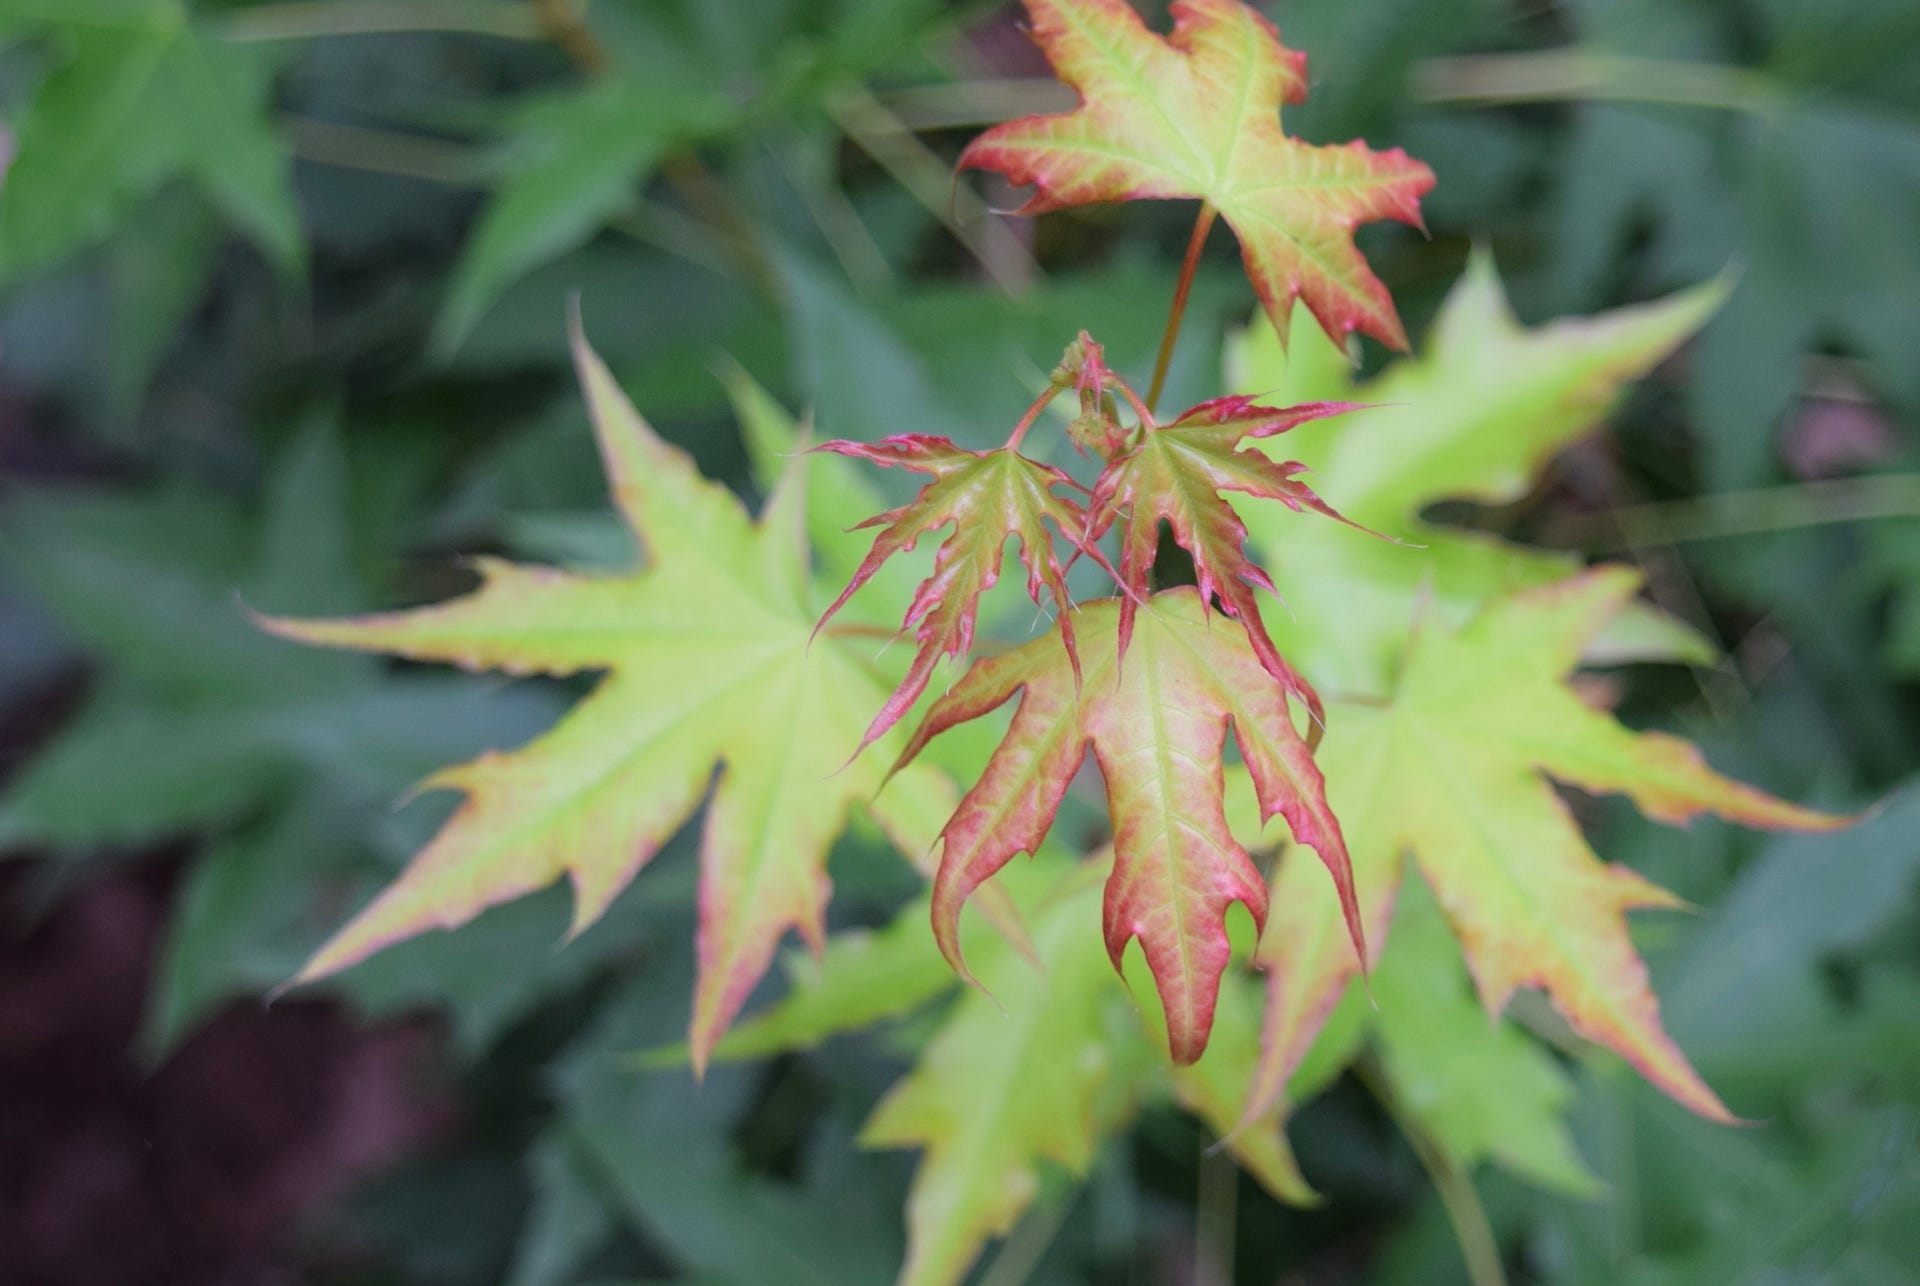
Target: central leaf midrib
1176,892
1144,91
766,807
612,766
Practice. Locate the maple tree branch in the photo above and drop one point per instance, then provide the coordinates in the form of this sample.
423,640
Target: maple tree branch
839,222
1202,224
1027,1245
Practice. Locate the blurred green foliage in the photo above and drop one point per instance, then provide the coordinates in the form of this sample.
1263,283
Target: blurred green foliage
282,329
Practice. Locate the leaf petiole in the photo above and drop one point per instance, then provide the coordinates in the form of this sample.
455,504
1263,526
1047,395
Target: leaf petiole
1202,224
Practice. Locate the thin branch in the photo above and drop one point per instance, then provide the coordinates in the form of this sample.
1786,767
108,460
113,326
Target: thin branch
972,104
382,152
565,24
1575,74
882,135
846,233
1202,224
1027,1246
710,202
679,234
1033,413
1877,497
1451,1183
312,19
1216,1214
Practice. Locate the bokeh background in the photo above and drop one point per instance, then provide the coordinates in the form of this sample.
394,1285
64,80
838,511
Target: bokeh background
282,289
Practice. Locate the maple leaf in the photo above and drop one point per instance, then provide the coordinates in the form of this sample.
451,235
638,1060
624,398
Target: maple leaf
999,1090
1475,1091
1480,721
707,661
1176,472
989,497
1157,726
145,96
1477,417
1002,1089
282,757
1197,114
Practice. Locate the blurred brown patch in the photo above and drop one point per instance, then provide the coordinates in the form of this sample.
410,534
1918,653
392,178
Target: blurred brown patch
115,1173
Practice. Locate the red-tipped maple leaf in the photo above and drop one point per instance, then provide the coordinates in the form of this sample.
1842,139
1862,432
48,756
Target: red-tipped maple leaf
1197,114
988,496
707,664
1158,727
1461,757
1176,472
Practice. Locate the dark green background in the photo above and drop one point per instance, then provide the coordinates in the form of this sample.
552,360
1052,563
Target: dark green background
231,379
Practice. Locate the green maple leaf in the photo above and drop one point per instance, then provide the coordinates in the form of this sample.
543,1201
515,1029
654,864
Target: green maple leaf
1476,417
1479,722
1158,726
1197,114
571,163
281,757
706,661
1478,1092
1005,1091
999,1090
141,98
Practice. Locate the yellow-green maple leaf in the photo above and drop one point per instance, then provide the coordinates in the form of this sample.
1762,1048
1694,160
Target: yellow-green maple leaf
1039,1079
706,662
1456,770
1476,417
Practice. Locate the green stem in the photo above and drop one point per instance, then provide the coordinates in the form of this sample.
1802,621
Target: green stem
1575,74
1451,1183
1202,224
382,152
1216,1214
1023,1251
973,104
881,135
1877,497
309,19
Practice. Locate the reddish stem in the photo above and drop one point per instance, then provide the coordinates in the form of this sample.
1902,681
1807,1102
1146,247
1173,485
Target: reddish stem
1033,413
1202,224
1141,409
